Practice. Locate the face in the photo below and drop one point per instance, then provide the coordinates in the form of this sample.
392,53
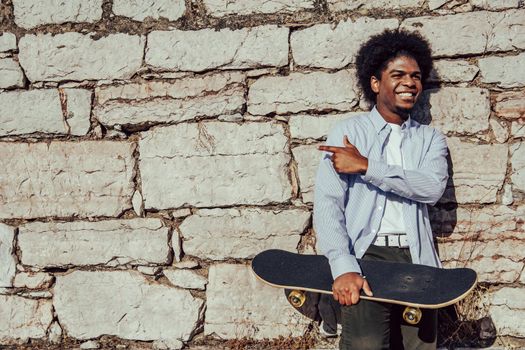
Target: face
398,87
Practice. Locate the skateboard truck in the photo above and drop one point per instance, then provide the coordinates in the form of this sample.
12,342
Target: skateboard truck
412,315
297,298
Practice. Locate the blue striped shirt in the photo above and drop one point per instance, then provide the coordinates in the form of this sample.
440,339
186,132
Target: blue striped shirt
348,208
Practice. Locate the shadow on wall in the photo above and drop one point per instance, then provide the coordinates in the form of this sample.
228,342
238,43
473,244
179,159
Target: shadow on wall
458,326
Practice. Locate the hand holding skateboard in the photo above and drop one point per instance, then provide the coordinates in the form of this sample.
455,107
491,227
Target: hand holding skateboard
347,288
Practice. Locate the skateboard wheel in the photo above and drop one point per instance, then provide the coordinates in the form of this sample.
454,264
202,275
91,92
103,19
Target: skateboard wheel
412,315
296,298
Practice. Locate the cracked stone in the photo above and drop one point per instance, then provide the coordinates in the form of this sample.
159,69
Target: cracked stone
33,280
219,234
451,109
398,5
90,344
506,72
23,318
453,71
307,158
124,304
258,311
75,56
326,46
7,42
501,133
510,104
517,129
26,112
299,92
138,204
7,258
134,241
306,126
55,333
161,101
83,179
478,171
517,159
495,5
506,197
499,31
11,74
220,8
186,279
155,9
250,158
206,49
508,322
485,223
30,14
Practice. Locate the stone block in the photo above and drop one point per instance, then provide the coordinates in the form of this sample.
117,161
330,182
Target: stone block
495,5
506,72
220,8
53,111
174,101
517,129
511,297
206,49
90,178
485,223
75,56
7,42
11,74
307,158
7,258
80,243
219,234
351,5
326,46
33,280
154,9
478,171
517,160
510,104
499,31
508,322
317,127
455,109
124,304
214,164
186,279
257,311
453,71
29,14
495,261
300,92
22,318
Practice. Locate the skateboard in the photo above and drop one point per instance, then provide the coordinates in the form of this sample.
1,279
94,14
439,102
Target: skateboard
414,286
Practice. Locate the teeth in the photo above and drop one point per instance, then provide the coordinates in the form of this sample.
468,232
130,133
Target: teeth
405,94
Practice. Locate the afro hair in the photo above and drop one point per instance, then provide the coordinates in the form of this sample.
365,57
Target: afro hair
374,56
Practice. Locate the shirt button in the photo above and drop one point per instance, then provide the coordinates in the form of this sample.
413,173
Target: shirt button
373,231
379,208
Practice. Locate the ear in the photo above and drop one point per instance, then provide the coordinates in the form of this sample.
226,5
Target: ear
374,84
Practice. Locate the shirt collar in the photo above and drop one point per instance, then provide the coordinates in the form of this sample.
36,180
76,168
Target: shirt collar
380,123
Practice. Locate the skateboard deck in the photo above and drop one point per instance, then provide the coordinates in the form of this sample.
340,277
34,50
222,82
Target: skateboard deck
412,285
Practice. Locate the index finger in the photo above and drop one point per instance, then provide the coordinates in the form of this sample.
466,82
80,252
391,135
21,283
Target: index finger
332,149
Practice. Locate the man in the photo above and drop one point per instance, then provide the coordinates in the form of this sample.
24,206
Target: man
377,174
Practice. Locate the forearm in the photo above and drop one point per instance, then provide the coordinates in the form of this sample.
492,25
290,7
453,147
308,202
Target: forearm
329,219
422,185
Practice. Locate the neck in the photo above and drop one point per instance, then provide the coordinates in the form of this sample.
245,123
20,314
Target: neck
398,117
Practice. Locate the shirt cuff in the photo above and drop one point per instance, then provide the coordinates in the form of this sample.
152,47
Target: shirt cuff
344,264
375,172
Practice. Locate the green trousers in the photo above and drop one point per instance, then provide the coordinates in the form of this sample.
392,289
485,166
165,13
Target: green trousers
374,325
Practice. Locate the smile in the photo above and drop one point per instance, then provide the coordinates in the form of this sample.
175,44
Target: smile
406,94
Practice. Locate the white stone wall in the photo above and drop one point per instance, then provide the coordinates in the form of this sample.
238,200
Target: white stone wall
149,149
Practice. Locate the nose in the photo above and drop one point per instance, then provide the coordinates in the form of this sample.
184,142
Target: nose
409,81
